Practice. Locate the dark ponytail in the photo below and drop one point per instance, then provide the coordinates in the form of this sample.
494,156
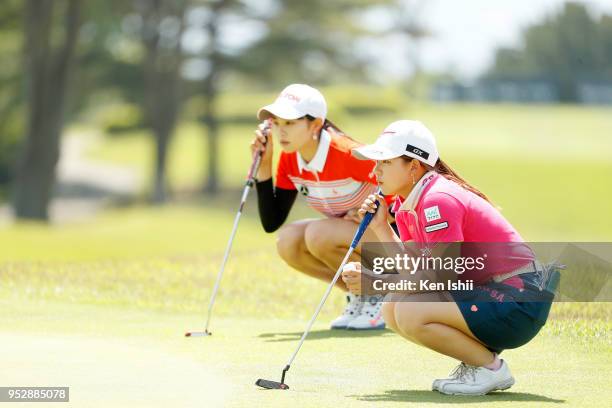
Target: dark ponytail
327,124
445,170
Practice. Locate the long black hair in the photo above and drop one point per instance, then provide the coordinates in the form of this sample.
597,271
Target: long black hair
326,124
446,171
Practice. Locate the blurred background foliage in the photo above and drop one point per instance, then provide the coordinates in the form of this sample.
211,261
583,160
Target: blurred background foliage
155,80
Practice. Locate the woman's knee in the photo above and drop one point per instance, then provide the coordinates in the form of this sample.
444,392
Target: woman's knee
409,319
290,242
388,313
318,237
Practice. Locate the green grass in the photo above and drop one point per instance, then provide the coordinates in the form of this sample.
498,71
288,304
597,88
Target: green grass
537,134
547,167
101,305
125,357
79,309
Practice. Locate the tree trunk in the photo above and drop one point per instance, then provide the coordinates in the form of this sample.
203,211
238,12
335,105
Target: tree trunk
162,86
212,131
209,118
160,190
166,106
47,72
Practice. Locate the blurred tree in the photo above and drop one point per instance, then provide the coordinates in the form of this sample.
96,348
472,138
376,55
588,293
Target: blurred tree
139,52
50,32
567,48
133,54
407,22
310,41
303,41
110,56
162,29
213,54
11,95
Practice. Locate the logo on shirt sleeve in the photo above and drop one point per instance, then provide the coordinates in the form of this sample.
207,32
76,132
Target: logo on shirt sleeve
432,213
436,227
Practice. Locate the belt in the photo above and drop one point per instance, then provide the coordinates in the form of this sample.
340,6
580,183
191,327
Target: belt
531,267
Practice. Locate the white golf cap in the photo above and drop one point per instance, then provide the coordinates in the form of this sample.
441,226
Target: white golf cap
294,102
404,137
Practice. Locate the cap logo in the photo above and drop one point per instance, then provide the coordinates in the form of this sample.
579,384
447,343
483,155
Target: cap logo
290,96
417,151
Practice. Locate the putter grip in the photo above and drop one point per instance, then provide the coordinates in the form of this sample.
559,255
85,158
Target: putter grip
257,157
367,218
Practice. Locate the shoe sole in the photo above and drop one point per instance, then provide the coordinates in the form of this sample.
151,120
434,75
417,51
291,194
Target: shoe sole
500,387
367,328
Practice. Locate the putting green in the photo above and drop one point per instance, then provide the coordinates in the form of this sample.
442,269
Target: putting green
111,356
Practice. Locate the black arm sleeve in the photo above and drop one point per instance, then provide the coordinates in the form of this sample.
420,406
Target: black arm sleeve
274,204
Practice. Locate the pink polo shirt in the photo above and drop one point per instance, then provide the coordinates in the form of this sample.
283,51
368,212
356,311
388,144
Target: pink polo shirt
439,210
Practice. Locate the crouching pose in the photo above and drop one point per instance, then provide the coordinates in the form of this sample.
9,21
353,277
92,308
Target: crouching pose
316,162
440,207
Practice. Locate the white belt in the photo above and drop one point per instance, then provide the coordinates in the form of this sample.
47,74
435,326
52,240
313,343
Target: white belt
533,266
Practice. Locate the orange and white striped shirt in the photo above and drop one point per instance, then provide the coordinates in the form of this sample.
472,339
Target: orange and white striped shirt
334,181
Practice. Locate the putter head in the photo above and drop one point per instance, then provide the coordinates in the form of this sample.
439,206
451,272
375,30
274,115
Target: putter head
271,385
204,333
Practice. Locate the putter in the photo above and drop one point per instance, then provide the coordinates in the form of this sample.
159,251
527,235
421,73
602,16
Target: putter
250,181
274,385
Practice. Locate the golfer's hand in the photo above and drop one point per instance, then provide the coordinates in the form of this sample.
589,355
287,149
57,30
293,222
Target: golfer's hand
353,215
369,205
351,276
263,141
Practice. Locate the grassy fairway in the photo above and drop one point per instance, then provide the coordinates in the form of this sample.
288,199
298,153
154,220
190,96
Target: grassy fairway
101,306
125,357
548,168
77,309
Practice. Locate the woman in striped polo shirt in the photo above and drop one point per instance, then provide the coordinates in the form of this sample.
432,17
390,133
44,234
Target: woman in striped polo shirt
315,162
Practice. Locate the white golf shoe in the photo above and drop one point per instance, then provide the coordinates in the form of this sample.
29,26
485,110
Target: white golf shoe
470,380
370,316
351,311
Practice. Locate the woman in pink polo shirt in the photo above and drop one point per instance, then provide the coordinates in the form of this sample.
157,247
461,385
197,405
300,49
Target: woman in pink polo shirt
441,207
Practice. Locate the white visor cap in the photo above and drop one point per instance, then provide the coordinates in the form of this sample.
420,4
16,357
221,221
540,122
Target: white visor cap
404,137
294,102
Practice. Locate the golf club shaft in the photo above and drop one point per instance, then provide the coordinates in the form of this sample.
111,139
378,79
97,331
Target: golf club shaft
245,193
356,238
325,296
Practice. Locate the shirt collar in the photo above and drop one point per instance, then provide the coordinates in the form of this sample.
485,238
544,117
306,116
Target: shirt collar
318,161
411,201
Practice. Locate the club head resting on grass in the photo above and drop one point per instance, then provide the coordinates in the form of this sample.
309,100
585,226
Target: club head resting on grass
271,385
204,333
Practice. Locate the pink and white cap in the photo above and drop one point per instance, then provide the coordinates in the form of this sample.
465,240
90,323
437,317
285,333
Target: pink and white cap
294,102
402,138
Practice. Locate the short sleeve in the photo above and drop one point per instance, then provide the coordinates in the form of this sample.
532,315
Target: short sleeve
441,218
282,172
402,223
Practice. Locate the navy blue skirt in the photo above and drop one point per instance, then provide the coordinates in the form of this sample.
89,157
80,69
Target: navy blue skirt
496,315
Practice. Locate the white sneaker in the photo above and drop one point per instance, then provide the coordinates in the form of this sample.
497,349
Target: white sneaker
453,376
370,317
470,380
351,311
